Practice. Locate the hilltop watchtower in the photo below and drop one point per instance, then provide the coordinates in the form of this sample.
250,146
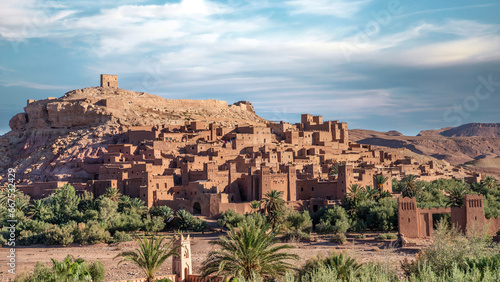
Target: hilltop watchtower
109,80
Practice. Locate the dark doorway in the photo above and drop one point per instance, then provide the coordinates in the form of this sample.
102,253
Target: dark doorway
196,208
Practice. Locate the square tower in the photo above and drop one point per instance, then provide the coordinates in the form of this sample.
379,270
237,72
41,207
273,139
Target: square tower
109,80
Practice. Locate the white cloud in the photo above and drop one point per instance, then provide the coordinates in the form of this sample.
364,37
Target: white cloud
338,8
24,19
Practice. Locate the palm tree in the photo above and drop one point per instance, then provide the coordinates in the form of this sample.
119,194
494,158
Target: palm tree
151,255
113,194
353,197
411,187
88,202
36,209
490,183
380,180
456,195
255,205
273,201
248,251
275,206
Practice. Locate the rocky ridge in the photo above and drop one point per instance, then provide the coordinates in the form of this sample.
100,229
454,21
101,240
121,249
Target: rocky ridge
54,136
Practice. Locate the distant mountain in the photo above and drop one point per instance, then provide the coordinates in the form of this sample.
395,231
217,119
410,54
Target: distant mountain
455,145
466,130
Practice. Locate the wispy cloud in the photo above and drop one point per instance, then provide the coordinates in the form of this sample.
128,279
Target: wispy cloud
34,85
338,8
429,11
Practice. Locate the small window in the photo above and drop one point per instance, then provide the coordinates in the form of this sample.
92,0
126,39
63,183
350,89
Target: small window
301,188
312,188
408,220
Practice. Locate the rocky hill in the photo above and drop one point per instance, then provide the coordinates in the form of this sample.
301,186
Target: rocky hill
52,136
464,143
466,130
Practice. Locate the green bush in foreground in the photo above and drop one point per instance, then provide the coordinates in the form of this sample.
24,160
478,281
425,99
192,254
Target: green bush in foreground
68,269
390,236
121,237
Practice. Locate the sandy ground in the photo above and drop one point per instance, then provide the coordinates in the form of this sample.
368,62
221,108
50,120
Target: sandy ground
362,249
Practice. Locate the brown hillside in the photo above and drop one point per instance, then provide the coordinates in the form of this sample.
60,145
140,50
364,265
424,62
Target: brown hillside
55,132
455,150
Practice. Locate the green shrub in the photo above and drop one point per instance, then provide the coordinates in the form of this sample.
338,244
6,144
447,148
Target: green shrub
2,240
60,235
129,221
91,233
121,237
297,236
230,218
90,215
97,271
339,238
383,215
344,266
187,221
164,211
154,224
67,270
299,222
390,236
32,232
40,273
334,220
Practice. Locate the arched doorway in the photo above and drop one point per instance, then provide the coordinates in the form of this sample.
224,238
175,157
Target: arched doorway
196,208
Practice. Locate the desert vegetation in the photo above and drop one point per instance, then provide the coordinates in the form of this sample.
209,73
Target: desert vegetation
249,250
64,218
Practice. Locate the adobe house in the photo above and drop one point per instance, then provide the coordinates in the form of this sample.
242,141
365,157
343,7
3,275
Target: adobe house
415,222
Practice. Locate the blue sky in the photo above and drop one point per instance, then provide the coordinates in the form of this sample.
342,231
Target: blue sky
405,65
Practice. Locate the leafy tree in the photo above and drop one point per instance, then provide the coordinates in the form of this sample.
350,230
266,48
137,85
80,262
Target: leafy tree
107,209
383,215
249,251
298,225
334,220
151,255
64,204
